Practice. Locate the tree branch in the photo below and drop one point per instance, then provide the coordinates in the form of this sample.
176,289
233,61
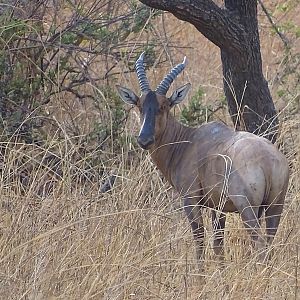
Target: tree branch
275,27
219,25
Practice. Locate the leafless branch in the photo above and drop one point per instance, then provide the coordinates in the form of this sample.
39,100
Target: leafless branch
283,38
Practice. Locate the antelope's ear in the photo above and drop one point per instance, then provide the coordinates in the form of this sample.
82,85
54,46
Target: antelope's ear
179,94
127,95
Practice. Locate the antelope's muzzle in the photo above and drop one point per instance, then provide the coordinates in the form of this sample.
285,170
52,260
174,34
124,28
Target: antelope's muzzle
147,132
145,141
146,136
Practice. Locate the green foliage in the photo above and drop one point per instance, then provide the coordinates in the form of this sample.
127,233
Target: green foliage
297,31
142,18
286,6
116,116
195,113
280,93
283,7
19,82
287,27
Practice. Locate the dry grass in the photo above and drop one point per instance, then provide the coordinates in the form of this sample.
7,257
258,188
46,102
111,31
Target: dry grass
133,243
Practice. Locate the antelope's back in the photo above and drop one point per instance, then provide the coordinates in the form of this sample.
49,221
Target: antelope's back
238,162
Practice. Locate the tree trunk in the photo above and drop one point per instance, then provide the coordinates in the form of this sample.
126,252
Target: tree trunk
234,30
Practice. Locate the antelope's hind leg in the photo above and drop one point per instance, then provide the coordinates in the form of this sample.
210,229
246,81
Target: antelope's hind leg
249,215
194,215
273,214
218,224
250,219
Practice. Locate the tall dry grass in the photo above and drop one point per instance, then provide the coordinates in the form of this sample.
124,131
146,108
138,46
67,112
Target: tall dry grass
132,242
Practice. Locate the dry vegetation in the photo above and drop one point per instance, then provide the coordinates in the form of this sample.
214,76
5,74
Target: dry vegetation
61,238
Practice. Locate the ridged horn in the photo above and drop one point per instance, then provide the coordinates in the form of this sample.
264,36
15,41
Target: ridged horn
165,84
141,74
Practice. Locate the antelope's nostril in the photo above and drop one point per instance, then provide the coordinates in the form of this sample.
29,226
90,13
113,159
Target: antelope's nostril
145,142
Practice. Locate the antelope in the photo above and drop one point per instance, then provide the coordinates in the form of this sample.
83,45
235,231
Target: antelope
212,165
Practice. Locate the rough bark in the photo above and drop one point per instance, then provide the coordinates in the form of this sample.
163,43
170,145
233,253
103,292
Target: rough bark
234,29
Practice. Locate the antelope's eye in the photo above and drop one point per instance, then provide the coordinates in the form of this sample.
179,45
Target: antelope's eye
162,108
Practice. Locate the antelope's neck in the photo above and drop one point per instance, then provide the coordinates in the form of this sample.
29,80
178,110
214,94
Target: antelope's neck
168,150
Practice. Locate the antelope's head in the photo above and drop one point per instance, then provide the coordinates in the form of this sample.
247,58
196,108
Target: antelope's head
154,106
